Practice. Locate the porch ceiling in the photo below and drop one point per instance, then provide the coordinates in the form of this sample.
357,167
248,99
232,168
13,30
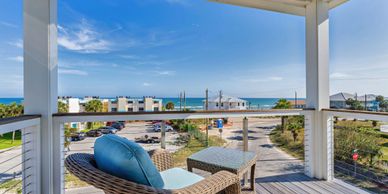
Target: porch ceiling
294,7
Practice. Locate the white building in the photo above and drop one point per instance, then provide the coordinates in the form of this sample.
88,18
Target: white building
226,103
339,100
127,104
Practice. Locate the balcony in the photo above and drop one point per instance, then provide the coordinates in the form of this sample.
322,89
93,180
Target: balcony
37,166
276,172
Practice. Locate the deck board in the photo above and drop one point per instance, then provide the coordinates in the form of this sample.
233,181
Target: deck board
312,186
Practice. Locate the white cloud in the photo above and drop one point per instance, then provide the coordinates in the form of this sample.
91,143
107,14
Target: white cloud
338,75
128,56
7,24
72,72
17,43
276,78
83,38
17,59
11,85
146,84
167,73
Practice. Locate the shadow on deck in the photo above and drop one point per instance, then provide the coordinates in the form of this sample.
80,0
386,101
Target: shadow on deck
297,183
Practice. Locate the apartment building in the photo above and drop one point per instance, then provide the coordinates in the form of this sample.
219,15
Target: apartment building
128,104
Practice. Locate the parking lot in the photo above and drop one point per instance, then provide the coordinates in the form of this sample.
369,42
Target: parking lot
131,131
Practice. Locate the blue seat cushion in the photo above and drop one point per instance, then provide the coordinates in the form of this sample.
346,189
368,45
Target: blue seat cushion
177,178
126,159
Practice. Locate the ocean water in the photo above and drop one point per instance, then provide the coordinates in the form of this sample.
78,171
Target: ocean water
191,103
197,103
11,100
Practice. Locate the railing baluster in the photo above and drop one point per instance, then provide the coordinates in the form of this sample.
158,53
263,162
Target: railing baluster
163,135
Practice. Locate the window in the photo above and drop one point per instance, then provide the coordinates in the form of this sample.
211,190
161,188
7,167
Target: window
222,104
156,108
217,104
130,109
130,102
141,109
114,109
238,104
156,101
243,104
230,104
141,102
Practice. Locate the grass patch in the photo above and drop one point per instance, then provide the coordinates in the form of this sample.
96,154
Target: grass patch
286,143
370,186
11,186
74,182
192,147
6,140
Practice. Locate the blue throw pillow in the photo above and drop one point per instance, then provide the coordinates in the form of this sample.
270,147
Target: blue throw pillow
126,159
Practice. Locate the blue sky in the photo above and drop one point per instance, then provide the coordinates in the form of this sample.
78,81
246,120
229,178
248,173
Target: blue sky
162,47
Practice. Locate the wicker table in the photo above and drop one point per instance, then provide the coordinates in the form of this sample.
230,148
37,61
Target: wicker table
215,159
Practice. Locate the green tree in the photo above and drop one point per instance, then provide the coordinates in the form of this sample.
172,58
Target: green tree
354,104
170,106
62,107
283,104
11,110
93,106
380,98
384,105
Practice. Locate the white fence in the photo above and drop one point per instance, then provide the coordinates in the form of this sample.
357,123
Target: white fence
20,165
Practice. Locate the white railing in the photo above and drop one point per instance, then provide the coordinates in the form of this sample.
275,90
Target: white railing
61,119
361,172
19,165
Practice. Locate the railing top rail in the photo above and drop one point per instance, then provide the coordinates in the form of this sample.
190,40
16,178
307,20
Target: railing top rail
173,112
168,115
356,112
4,121
369,115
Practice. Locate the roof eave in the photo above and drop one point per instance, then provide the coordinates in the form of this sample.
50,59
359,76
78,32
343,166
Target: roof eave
293,7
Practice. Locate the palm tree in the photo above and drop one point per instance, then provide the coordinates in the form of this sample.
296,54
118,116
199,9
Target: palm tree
283,104
170,106
93,106
62,107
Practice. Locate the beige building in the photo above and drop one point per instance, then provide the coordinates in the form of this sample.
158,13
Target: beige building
127,104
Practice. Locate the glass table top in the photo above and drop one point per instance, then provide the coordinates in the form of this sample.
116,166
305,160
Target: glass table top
228,158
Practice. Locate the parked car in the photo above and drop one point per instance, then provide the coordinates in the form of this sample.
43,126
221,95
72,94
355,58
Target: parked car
158,128
118,125
79,136
94,133
147,139
108,130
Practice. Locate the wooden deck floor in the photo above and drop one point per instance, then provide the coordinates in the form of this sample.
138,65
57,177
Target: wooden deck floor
298,183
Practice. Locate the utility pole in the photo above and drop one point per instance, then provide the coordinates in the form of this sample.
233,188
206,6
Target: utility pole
184,99
207,100
296,100
180,101
365,104
207,119
220,100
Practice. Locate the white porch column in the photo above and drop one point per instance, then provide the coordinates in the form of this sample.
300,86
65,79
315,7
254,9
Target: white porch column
40,78
318,128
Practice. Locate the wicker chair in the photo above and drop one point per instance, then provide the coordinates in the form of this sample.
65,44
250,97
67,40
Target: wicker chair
84,167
